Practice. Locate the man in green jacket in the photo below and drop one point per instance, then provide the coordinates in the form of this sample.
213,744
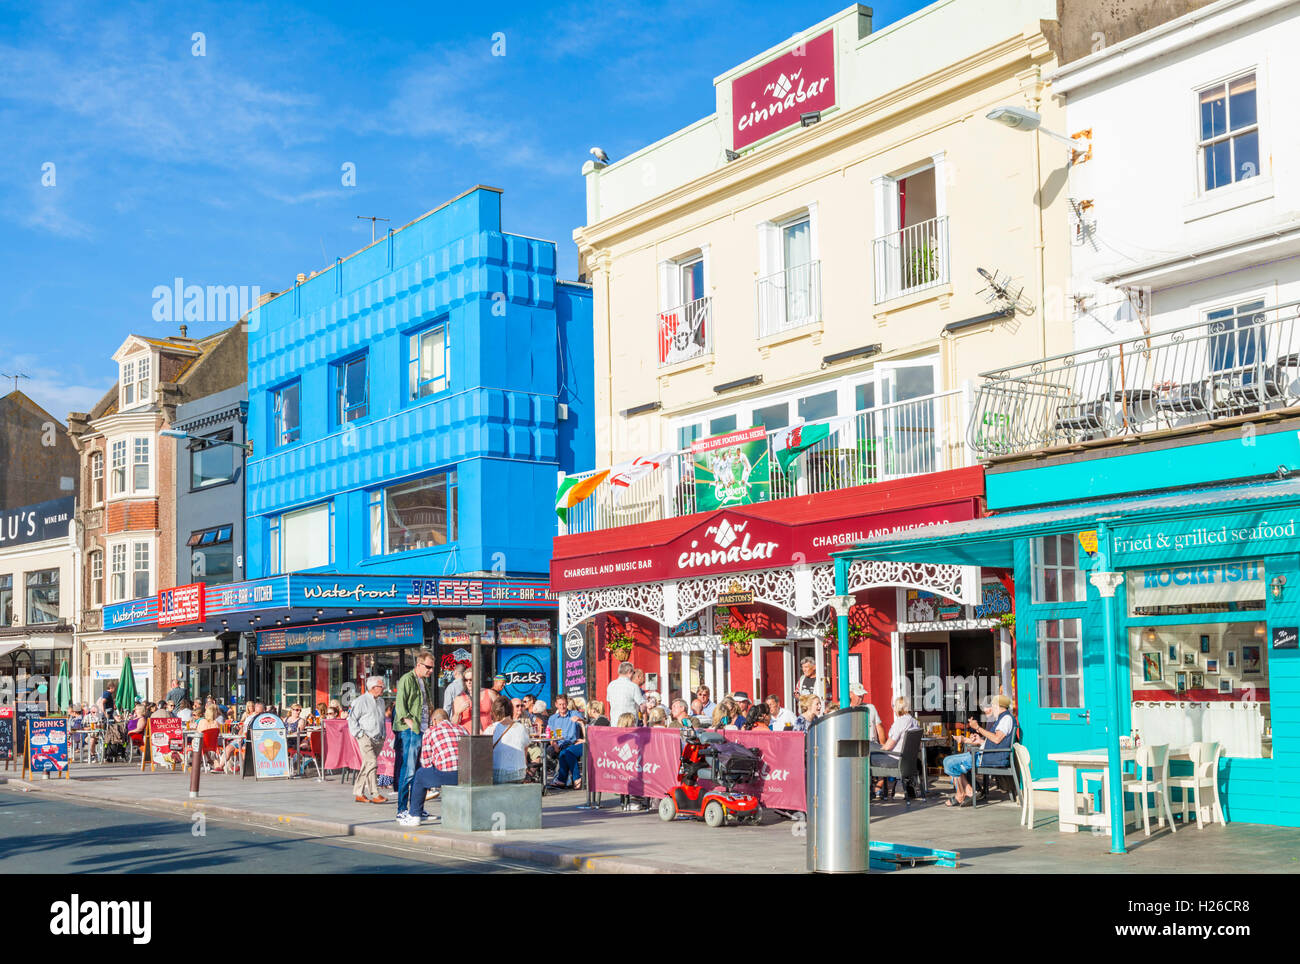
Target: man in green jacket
410,718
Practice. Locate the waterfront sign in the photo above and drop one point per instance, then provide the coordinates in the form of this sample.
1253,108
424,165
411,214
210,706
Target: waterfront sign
358,633
771,97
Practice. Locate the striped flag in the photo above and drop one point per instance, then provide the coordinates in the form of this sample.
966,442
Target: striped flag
624,474
572,491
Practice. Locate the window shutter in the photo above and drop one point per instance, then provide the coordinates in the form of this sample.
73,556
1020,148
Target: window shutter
769,249
669,285
708,271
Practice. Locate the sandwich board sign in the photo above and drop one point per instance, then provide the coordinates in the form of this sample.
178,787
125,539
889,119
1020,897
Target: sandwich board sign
47,745
268,747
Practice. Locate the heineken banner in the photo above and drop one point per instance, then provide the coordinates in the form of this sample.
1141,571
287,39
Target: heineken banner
731,469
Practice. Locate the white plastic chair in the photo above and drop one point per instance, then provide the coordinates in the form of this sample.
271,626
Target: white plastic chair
1154,759
1028,785
1204,777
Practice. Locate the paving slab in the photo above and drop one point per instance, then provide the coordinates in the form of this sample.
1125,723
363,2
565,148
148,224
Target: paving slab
989,838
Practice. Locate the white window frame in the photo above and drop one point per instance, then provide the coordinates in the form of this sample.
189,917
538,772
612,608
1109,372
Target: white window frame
328,509
131,443
1199,156
96,578
135,376
128,547
98,487
1038,568
1044,640
771,262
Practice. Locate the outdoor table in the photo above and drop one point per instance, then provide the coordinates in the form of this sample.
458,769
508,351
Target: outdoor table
543,740
1070,819
82,743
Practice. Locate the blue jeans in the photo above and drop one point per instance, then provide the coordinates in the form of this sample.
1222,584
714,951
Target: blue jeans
957,764
426,779
407,754
570,766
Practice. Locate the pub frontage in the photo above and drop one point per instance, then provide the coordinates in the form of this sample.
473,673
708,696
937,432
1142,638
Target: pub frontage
309,639
736,598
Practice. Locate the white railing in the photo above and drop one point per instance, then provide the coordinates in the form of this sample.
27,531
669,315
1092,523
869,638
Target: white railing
1233,363
911,258
686,332
790,299
892,441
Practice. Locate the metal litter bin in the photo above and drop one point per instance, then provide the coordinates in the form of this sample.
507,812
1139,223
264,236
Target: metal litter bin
839,798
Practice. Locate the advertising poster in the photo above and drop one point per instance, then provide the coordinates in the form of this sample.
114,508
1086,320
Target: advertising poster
575,663
7,733
731,469
48,751
527,672
164,737
268,747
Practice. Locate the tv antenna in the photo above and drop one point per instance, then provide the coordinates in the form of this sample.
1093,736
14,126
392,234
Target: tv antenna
372,220
15,376
1000,291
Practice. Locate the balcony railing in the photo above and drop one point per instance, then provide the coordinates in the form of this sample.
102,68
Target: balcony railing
790,299
1236,362
911,258
686,332
893,441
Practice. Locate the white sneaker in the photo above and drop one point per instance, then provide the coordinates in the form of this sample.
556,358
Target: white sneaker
408,821
403,813
635,807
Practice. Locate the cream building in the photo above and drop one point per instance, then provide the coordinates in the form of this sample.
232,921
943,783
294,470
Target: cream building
814,248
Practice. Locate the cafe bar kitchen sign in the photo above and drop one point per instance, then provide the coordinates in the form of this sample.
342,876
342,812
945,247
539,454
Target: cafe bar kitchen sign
770,98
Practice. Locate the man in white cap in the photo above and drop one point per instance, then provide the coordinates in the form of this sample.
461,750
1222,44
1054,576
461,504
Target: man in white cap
858,697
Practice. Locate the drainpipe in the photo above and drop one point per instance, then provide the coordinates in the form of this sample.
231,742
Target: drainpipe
1107,582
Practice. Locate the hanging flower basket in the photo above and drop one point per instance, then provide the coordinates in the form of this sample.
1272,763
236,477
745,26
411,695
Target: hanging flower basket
740,639
620,646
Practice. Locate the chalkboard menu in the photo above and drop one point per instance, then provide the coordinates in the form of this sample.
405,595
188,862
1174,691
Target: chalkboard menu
7,733
24,711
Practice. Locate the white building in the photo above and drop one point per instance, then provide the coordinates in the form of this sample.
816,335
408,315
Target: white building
39,590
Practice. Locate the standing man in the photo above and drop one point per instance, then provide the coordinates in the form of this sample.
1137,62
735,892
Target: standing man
176,693
366,724
623,695
454,688
810,684
485,701
410,719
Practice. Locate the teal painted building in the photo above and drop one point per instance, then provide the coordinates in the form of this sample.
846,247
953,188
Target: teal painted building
1199,643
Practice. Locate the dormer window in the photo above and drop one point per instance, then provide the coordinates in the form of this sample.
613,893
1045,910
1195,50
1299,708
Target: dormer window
135,381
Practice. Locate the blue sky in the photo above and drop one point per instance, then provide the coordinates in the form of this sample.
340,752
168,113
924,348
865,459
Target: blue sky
226,169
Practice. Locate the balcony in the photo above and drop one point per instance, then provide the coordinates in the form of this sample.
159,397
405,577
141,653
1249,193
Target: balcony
1236,362
882,444
686,332
790,299
911,259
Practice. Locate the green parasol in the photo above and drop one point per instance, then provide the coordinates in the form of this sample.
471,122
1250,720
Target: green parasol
125,695
63,689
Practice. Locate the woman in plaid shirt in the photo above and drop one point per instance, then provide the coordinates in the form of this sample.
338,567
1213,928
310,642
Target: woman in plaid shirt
439,758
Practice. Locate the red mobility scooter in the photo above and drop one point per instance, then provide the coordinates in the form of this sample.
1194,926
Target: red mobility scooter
707,756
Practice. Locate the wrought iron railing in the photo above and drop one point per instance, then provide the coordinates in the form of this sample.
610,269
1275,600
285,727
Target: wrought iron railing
686,332
892,441
1237,361
790,299
911,258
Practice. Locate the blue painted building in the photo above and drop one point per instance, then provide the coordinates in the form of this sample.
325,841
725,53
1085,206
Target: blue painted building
410,407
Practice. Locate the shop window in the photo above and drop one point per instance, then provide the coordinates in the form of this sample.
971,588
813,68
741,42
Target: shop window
419,514
428,362
1057,576
42,597
6,600
212,460
1203,682
1229,587
1060,666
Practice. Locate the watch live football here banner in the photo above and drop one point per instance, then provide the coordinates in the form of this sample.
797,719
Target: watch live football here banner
643,762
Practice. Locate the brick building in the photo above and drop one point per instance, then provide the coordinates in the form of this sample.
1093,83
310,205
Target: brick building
37,461
127,517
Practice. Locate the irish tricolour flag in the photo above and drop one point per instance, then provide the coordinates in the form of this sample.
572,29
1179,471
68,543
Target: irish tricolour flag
573,491
787,443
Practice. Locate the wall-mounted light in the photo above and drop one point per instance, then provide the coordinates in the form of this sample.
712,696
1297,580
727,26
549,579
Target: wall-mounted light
738,383
1149,635
642,409
1259,630
1276,587
810,118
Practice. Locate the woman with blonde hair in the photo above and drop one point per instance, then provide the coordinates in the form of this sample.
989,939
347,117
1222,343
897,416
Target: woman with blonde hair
658,716
629,802
889,752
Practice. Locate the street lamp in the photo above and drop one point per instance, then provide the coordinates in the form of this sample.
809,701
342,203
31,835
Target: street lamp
1023,119
177,433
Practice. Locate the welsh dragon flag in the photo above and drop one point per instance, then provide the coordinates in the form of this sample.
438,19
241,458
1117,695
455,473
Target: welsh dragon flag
573,491
787,443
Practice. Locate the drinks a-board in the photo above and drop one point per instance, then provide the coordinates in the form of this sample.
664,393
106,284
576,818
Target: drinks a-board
268,747
48,747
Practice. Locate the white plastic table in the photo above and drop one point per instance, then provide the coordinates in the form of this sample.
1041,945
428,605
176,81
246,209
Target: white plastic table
1070,817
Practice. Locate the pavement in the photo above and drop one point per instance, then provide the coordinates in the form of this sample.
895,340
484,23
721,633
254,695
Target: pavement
989,838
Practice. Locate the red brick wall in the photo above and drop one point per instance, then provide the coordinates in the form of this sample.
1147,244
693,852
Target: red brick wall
133,516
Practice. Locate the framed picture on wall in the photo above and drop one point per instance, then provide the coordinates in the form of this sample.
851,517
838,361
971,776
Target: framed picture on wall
1230,658
1225,685
855,668
1197,681
1180,682
1205,644
1211,666
1189,658
1252,663
1151,670
1173,652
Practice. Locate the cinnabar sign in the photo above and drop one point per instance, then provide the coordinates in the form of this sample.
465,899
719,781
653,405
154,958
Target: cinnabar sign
731,541
770,98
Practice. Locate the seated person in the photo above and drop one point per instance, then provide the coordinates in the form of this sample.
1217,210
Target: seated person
888,754
997,711
569,748
509,744
439,759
